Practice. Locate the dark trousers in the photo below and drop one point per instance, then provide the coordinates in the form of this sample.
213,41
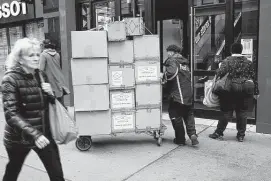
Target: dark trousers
238,103
178,114
49,157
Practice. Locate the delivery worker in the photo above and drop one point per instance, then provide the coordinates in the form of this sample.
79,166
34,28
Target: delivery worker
177,80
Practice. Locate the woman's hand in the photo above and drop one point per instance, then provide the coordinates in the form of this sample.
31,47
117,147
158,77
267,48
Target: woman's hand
42,142
46,87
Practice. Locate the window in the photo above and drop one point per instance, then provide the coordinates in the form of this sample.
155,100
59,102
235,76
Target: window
104,12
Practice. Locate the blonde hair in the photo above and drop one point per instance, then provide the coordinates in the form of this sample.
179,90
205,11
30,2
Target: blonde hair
21,46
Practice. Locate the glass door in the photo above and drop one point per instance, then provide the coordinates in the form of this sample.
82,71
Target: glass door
207,45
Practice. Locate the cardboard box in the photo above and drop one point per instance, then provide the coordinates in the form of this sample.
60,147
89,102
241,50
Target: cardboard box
123,122
121,76
134,26
121,52
89,44
147,72
122,99
148,119
93,123
89,71
116,31
148,95
91,97
147,47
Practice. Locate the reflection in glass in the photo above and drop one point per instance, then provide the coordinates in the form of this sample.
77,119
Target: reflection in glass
105,13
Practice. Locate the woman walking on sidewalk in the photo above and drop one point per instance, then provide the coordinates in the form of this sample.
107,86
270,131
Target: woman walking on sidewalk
243,85
178,83
25,101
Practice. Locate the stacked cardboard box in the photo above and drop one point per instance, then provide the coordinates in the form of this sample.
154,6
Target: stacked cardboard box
90,82
121,78
116,81
148,84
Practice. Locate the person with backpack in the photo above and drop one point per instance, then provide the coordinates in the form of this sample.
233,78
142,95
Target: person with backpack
50,64
177,80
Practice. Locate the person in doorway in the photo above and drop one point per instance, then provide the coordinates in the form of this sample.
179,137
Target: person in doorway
50,64
26,103
177,80
243,87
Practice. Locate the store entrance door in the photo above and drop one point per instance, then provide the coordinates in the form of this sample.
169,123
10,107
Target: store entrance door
207,43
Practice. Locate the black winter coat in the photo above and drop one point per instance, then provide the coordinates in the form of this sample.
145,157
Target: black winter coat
25,107
178,79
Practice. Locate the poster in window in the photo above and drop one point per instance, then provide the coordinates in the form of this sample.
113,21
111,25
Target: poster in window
247,46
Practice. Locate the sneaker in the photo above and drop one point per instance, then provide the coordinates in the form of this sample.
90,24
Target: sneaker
179,143
216,136
240,138
194,140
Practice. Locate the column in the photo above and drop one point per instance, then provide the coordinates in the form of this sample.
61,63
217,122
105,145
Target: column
263,115
67,24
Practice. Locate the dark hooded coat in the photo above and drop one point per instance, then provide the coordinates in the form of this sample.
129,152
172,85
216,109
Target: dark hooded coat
178,79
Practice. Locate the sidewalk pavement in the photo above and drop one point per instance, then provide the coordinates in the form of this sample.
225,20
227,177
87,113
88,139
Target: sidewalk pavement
137,157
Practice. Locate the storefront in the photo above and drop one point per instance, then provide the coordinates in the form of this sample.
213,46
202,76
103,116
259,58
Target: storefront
17,20
204,28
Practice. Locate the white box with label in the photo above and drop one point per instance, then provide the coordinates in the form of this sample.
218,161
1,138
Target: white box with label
121,76
116,31
147,71
123,121
148,119
148,95
91,97
122,99
134,26
121,52
147,47
89,44
93,123
89,71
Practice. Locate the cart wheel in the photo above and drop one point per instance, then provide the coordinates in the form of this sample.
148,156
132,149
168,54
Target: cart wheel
159,141
83,143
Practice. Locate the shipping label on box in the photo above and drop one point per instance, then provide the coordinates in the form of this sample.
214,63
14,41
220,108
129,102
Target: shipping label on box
147,47
147,71
116,31
121,76
94,123
89,44
134,26
91,97
121,52
89,71
148,95
148,118
123,121
123,99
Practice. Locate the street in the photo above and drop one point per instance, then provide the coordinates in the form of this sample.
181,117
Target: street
137,157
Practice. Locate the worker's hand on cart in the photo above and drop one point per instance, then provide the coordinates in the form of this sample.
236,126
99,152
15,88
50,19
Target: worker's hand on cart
46,87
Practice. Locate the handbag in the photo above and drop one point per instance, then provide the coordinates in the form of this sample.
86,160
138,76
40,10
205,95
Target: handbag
210,99
62,125
222,85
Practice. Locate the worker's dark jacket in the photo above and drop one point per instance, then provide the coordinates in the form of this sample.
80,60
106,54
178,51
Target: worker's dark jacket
25,107
178,79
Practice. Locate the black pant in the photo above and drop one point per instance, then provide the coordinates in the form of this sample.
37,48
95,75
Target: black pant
234,102
179,113
49,156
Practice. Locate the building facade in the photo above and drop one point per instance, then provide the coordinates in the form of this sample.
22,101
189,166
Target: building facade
205,29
